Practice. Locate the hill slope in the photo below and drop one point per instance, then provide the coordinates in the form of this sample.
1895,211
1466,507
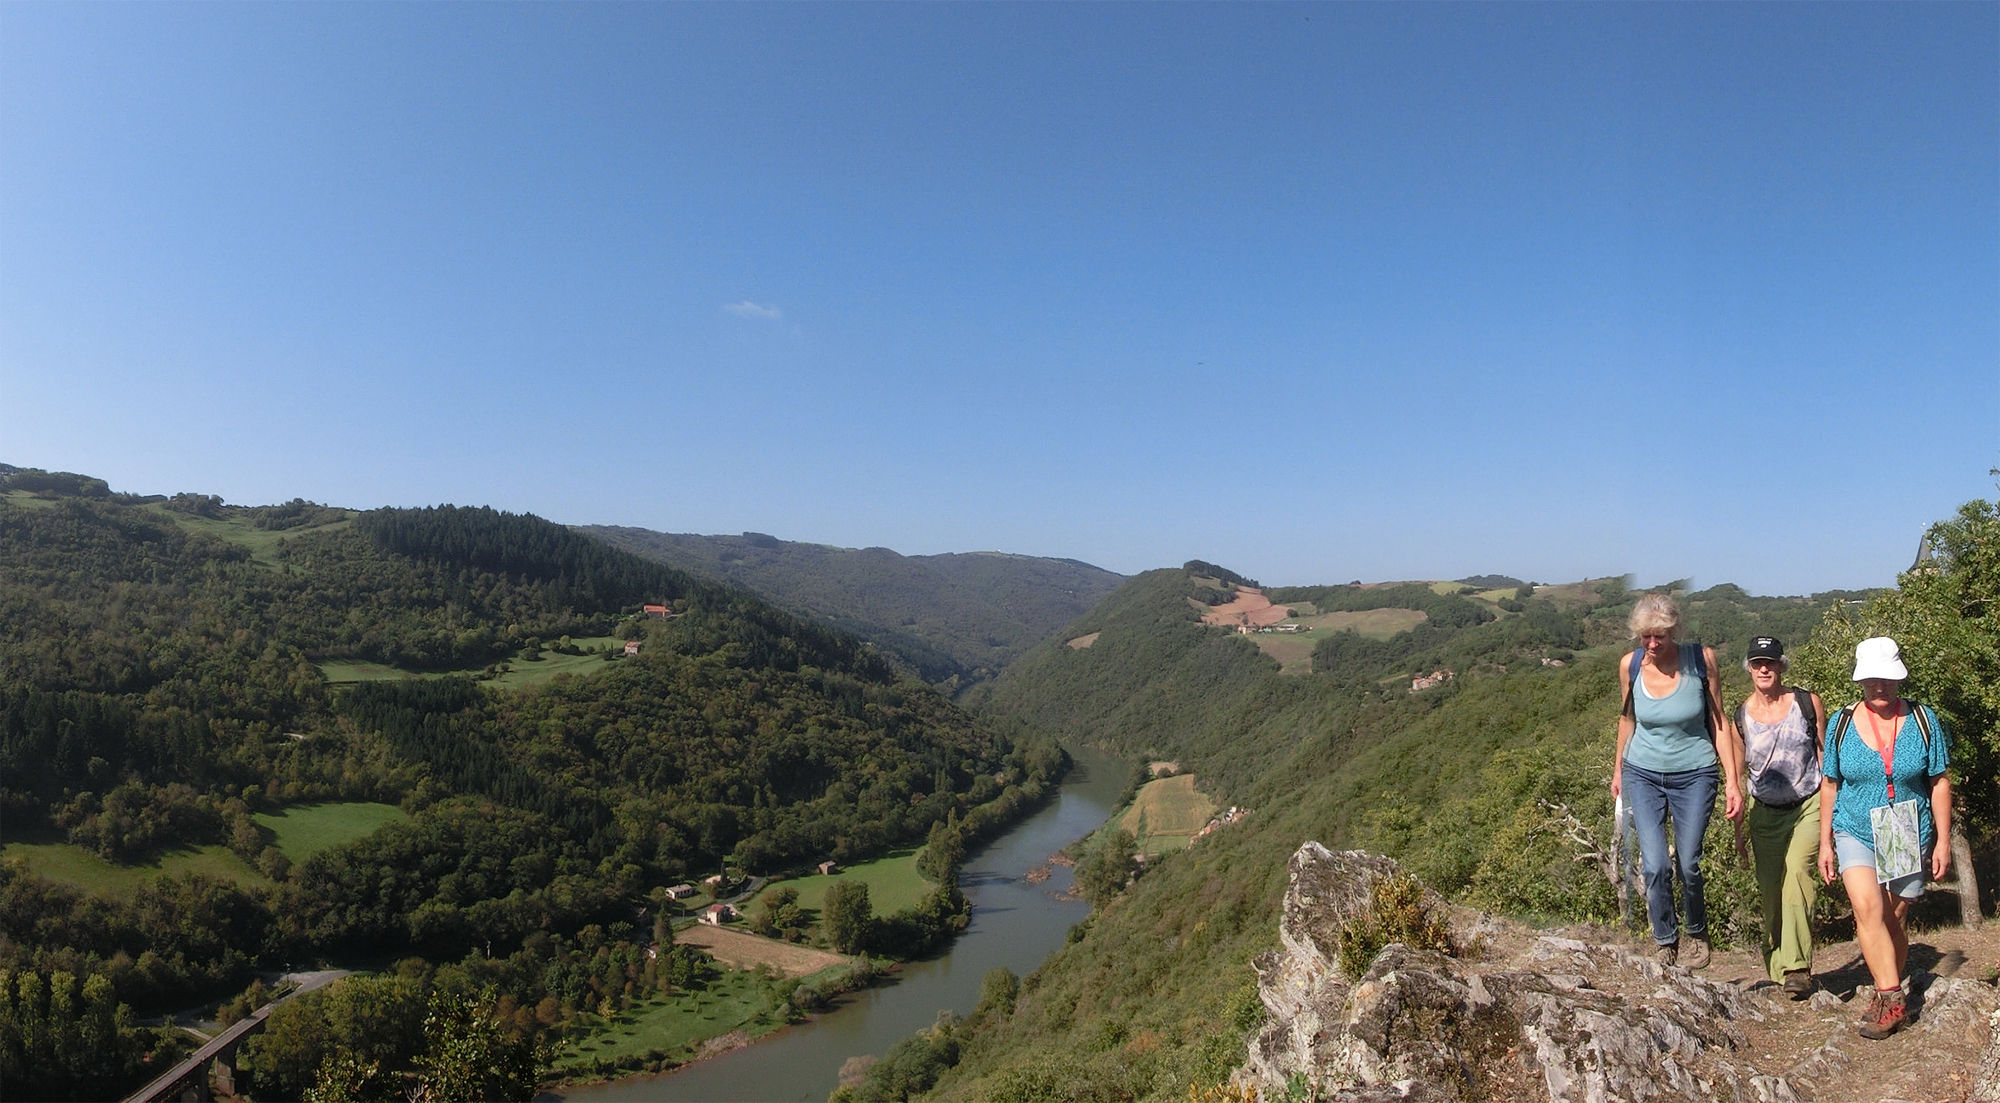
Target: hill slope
1470,783
161,685
956,619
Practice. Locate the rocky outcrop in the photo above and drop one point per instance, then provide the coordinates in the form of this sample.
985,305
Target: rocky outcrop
1518,1015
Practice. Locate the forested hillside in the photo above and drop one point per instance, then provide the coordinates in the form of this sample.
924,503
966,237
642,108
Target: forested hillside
1472,783
956,618
162,686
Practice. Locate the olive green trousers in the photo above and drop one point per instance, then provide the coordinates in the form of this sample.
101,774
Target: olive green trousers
1784,843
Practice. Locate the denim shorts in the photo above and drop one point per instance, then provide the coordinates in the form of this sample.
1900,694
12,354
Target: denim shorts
1850,851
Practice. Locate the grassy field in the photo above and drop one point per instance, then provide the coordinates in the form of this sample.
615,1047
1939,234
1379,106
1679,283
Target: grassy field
67,864
675,1025
522,674
893,884
519,673
747,951
1294,650
263,543
1173,811
27,500
310,828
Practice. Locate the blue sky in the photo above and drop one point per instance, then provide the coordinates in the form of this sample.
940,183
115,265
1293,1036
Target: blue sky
1316,292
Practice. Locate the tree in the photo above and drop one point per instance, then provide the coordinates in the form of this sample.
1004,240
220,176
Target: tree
944,850
1102,876
846,915
468,1057
998,990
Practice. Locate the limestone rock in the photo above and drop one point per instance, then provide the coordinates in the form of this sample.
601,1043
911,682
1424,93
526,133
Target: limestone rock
1554,1018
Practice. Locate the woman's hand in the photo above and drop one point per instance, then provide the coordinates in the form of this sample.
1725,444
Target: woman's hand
1940,858
1826,859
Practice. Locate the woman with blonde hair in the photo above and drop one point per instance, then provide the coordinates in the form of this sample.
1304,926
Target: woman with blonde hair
1672,734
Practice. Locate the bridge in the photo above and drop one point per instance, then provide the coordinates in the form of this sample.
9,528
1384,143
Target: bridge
195,1079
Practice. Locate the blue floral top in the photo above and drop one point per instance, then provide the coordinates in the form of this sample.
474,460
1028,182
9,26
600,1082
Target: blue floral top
1857,768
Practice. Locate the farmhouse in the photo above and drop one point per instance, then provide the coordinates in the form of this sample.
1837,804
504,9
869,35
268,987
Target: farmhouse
680,891
631,647
715,915
1434,678
659,611
829,868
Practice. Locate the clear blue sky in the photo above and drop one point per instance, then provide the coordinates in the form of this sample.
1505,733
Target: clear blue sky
1316,292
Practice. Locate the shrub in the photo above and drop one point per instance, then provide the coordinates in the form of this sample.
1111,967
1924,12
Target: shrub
1397,912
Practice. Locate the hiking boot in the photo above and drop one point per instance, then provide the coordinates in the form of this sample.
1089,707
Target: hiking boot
1697,955
1666,953
1798,983
1885,1015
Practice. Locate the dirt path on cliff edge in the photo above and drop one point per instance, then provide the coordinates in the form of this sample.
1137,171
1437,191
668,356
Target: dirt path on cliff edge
1917,1065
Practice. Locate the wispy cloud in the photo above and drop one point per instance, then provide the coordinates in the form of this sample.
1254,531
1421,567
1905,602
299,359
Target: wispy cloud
748,309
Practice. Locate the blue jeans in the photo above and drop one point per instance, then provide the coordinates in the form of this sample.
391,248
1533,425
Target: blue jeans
1689,797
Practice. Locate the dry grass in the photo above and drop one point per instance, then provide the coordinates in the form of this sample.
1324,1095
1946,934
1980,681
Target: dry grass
747,951
1172,808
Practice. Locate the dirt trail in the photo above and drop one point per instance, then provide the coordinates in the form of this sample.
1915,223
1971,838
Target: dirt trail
1932,1062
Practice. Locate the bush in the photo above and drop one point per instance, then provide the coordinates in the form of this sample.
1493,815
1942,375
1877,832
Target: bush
1398,912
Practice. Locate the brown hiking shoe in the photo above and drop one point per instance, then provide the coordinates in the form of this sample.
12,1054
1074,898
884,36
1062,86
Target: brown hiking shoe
1798,983
1666,954
1885,1015
1697,955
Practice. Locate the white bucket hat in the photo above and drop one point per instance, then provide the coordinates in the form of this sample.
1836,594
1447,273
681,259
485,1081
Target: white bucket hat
1879,657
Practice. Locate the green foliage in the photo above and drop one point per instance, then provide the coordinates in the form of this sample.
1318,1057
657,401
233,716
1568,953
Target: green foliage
468,1057
1945,616
65,1037
1492,790
910,1067
846,915
1104,872
160,691
1224,575
998,990
1398,912
955,619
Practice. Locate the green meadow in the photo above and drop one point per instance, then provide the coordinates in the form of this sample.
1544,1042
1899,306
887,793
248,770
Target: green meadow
308,829
263,543
69,864
517,673
893,884
670,1027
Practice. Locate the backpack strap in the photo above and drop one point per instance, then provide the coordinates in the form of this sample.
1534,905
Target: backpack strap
1698,661
1694,659
1837,731
1923,725
1804,699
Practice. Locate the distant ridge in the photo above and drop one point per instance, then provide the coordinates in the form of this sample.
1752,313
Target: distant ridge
955,618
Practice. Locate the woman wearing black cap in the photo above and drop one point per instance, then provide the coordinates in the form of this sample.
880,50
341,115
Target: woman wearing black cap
1780,726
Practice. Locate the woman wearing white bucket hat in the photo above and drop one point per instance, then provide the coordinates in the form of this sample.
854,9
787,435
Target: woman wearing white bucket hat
1885,818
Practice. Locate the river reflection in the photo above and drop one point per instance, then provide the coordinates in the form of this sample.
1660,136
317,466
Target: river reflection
1015,925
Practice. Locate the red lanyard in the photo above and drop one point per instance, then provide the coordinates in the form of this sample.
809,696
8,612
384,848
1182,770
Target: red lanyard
1888,753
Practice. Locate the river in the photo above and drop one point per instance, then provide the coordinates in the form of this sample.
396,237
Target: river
1014,925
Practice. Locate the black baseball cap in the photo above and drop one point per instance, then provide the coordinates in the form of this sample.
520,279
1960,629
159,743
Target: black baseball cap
1766,647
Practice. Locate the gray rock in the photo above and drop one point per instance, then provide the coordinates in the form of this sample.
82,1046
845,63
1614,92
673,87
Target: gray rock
1560,1018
